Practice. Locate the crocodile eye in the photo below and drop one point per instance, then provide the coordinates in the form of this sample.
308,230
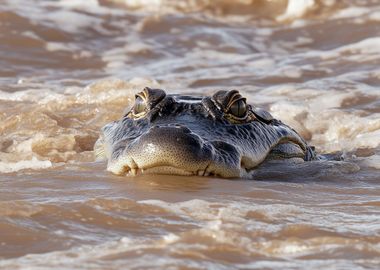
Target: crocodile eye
239,108
140,105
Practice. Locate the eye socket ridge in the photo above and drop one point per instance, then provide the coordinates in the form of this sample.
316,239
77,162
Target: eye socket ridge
146,100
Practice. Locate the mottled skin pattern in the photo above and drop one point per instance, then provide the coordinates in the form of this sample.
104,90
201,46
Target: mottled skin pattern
219,135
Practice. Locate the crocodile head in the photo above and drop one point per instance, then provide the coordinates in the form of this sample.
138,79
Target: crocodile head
220,135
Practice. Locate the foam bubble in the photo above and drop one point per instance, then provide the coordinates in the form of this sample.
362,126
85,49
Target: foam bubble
33,164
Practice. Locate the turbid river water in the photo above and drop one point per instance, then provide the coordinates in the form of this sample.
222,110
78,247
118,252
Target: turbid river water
68,67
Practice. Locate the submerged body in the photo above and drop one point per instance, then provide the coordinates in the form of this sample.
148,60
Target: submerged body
184,135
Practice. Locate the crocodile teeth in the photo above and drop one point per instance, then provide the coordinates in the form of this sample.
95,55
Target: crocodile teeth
201,173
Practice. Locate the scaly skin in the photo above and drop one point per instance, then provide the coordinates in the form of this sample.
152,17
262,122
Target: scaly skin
219,135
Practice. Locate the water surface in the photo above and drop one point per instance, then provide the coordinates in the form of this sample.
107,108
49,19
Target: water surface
69,67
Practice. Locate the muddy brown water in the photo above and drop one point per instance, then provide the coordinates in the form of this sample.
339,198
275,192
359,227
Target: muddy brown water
69,67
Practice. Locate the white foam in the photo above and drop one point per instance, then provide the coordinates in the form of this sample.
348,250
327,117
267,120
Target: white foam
372,161
291,72
41,96
34,164
321,117
106,90
59,46
375,16
66,17
140,3
296,9
365,46
193,207
112,89
79,3
213,215
89,6
351,12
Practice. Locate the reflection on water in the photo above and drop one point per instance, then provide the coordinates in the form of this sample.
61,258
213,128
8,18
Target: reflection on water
69,67
171,183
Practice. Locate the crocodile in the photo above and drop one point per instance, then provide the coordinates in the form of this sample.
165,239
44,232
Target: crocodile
219,135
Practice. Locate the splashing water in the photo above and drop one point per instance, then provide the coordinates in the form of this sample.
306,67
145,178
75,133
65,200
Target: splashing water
69,67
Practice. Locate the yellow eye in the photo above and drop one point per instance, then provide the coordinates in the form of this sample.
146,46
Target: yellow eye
239,108
140,105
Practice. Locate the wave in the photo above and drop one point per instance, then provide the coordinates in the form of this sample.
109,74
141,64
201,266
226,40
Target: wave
52,127
275,9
